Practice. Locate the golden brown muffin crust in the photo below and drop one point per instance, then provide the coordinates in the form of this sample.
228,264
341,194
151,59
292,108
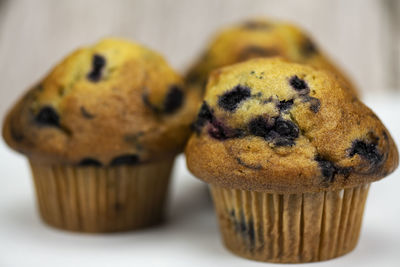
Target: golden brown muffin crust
261,38
271,125
115,102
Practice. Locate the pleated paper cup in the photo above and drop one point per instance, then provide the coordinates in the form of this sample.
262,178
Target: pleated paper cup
290,228
101,199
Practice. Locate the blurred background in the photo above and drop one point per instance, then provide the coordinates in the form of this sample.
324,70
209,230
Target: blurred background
362,36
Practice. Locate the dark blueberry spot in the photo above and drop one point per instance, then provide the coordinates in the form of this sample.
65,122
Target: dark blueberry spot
216,131
367,151
308,48
231,99
86,114
205,115
48,116
256,51
315,104
299,85
173,100
328,169
260,126
220,131
281,141
89,162
282,132
98,62
285,104
125,160
344,171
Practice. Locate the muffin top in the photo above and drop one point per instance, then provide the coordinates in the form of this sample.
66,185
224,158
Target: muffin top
260,38
271,125
113,103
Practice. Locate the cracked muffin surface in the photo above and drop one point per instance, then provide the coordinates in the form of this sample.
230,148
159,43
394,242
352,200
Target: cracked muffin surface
268,124
261,38
112,103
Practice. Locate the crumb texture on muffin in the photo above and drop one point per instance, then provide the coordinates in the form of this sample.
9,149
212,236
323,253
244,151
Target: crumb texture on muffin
268,124
261,38
113,103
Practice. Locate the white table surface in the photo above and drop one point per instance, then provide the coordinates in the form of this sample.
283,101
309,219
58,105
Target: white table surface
190,235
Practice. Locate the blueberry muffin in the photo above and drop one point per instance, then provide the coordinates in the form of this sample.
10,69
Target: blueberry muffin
261,38
101,132
289,155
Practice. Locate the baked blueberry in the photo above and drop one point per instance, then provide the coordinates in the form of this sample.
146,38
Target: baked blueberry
328,169
367,151
231,100
98,63
261,126
219,131
308,48
173,100
315,104
47,116
278,130
284,105
205,115
284,132
299,85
